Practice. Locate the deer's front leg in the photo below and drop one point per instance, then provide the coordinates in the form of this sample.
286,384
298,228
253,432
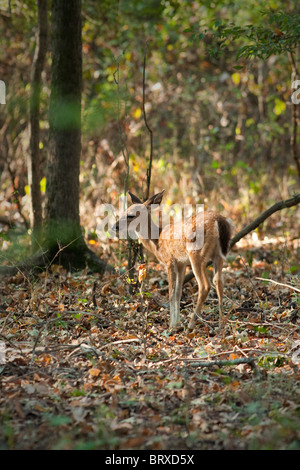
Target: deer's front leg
174,307
180,272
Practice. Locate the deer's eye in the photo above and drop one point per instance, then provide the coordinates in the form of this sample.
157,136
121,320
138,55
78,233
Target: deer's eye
130,217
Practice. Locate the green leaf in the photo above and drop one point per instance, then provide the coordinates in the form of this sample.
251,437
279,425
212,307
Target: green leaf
279,107
2,235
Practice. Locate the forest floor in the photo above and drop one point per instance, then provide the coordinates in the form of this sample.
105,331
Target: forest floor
86,365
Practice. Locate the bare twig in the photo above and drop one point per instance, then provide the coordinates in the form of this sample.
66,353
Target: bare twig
61,248
268,324
9,341
84,347
278,283
132,247
121,341
122,135
147,126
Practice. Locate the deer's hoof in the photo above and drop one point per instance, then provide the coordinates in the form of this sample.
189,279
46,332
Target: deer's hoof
175,329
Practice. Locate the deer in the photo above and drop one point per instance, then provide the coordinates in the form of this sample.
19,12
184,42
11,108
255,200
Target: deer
178,252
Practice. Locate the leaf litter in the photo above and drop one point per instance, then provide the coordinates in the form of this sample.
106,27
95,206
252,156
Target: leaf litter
86,365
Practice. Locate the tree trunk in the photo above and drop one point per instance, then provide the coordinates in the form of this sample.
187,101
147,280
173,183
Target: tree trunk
62,190
63,238
34,175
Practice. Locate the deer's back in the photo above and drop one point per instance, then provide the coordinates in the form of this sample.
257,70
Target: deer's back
205,233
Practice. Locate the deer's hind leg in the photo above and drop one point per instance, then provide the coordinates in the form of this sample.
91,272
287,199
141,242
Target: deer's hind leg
199,269
218,282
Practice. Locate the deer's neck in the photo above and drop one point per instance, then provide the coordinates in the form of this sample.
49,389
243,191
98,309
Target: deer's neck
150,239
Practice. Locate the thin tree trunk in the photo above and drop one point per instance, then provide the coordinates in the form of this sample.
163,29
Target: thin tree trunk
149,169
63,241
295,119
34,174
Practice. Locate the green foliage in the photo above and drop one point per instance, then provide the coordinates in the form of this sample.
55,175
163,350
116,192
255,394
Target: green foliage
279,34
145,11
271,361
218,119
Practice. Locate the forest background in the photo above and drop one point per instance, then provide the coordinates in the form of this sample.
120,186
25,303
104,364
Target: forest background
223,122
217,121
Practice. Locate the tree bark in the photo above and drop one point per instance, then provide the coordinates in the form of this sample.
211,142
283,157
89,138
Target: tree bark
34,174
62,240
63,237
62,190
294,143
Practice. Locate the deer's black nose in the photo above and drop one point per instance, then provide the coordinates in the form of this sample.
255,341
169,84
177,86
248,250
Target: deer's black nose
115,229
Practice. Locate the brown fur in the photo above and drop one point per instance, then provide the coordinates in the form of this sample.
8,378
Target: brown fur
176,253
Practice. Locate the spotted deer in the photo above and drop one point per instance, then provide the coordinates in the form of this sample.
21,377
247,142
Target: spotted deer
177,252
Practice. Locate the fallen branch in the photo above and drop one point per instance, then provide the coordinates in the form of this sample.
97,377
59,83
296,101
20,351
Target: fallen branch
121,341
223,362
278,283
256,222
262,217
86,348
268,324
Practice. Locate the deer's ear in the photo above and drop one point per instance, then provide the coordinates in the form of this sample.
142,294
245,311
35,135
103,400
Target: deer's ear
156,199
134,199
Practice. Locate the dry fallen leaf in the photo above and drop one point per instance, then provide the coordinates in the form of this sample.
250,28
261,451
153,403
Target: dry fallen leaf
95,372
142,272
